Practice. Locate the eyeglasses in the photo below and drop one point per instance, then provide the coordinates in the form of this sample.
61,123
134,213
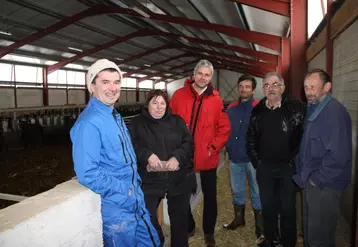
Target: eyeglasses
275,85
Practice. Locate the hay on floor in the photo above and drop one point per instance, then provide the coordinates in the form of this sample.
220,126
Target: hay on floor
241,237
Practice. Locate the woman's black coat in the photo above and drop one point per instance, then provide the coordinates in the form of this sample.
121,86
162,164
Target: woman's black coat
166,137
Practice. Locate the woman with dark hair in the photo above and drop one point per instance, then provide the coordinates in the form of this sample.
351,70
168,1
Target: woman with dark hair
164,149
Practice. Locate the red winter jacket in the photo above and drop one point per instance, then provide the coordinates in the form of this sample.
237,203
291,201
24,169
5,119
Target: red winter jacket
207,120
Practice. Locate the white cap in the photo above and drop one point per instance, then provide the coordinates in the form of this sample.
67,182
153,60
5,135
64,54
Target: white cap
97,67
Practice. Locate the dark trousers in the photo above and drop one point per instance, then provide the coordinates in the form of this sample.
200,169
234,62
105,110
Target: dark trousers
177,214
208,187
320,215
278,197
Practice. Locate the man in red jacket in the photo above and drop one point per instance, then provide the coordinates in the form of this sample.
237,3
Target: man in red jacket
202,109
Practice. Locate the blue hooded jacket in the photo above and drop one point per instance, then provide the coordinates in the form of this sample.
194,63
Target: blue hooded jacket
325,154
105,162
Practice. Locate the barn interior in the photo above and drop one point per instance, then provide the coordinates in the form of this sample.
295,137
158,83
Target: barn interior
46,48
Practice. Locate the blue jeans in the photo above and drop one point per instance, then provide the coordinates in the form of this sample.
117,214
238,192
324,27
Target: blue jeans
238,172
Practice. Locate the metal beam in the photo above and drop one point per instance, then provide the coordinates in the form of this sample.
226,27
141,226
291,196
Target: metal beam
229,63
64,62
277,7
268,57
243,60
266,40
298,65
239,70
146,32
51,29
136,71
45,86
160,72
176,74
329,40
163,47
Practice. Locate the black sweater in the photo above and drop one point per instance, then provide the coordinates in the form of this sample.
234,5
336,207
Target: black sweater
166,137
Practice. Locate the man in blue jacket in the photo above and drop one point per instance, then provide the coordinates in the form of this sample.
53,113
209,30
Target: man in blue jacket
105,162
324,163
239,113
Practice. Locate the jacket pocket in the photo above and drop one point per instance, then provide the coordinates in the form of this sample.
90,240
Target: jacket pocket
123,196
316,148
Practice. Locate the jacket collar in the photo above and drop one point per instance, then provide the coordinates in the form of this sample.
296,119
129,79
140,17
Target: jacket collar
101,106
320,107
249,101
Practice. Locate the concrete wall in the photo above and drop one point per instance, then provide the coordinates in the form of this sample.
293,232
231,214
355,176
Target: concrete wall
319,61
345,89
68,215
173,86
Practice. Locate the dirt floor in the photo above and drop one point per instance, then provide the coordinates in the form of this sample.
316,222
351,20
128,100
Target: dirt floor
30,171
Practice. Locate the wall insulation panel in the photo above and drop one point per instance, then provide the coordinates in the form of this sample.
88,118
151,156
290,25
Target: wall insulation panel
27,97
7,97
76,96
57,96
131,97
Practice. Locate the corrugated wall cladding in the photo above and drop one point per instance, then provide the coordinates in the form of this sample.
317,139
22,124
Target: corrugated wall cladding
345,89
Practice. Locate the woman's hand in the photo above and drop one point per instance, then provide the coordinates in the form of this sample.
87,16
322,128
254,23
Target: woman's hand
154,162
173,164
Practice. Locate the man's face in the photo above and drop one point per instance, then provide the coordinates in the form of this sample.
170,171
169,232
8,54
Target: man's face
273,88
107,87
245,89
314,88
203,76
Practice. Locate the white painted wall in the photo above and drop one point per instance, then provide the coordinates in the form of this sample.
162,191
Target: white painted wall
228,86
345,89
173,86
68,215
7,97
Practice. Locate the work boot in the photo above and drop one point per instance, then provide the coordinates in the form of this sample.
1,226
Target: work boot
239,218
210,240
259,226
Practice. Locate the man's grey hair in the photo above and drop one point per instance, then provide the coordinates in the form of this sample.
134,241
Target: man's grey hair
280,78
204,63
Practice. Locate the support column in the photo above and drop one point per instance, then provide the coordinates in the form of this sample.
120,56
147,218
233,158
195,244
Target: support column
298,47
284,61
217,80
45,86
329,41
87,94
137,91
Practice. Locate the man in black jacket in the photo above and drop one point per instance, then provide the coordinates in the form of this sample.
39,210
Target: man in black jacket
273,138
